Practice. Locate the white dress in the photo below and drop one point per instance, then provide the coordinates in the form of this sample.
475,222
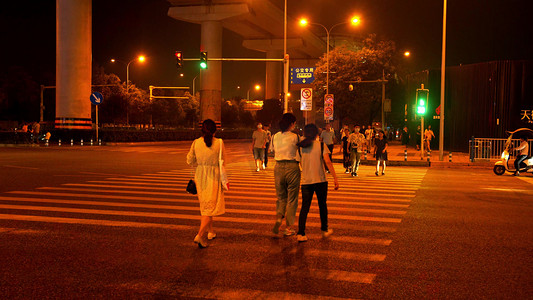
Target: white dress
207,176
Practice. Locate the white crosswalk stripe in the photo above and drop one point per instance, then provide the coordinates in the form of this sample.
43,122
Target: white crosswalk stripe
365,211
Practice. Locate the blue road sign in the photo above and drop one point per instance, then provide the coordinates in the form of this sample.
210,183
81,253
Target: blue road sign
303,75
96,98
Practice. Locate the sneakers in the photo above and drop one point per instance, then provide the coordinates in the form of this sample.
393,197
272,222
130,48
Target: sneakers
211,235
301,238
257,170
354,174
327,233
289,232
377,174
382,173
275,230
347,171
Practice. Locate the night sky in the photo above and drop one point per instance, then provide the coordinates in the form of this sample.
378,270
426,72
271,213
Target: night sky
478,31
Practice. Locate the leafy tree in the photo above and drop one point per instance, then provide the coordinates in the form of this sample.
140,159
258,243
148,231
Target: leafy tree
353,62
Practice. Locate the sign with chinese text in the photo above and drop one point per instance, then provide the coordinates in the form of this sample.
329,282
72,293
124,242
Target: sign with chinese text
306,99
526,115
328,107
304,75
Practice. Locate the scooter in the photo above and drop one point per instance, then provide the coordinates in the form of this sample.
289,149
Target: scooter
502,166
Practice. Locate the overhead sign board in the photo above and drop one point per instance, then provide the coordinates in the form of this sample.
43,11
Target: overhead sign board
96,98
328,107
306,99
303,75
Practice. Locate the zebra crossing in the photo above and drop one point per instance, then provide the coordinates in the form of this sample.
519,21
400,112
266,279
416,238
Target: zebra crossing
364,215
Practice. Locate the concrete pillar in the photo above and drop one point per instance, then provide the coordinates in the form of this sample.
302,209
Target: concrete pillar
73,64
211,81
274,72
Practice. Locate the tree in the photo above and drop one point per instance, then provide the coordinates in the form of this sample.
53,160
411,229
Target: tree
357,63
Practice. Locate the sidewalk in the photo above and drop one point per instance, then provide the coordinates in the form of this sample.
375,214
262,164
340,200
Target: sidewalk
396,157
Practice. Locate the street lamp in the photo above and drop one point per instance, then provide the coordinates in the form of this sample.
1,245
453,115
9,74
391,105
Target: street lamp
354,21
407,53
257,87
140,58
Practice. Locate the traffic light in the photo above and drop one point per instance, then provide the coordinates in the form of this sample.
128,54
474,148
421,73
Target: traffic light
179,59
422,99
203,60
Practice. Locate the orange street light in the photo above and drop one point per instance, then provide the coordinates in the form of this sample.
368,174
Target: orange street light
355,21
257,87
141,58
407,53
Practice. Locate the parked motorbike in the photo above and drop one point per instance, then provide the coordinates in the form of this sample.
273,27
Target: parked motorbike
502,166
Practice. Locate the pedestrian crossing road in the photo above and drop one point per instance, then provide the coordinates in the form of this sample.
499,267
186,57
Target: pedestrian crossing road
245,260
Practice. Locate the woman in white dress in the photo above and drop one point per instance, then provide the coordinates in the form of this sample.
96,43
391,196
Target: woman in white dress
204,154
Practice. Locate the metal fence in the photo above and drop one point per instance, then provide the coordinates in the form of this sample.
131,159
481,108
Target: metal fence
490,148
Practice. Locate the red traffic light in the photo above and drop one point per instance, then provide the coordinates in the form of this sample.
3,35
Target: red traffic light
178,54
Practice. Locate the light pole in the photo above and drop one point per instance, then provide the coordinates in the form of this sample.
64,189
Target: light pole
442,84
355,21
257,87
141,59
285,63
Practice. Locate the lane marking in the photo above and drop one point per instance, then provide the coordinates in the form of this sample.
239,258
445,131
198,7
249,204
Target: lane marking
186,196
20,167
229,192
186,208
182,227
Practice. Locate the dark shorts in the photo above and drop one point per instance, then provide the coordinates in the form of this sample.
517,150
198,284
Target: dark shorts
259,153
381,156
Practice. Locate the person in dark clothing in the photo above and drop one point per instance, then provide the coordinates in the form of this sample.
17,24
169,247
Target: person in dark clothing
380,152
346,151
405,137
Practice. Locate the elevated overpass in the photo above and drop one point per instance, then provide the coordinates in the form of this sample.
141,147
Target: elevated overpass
260,23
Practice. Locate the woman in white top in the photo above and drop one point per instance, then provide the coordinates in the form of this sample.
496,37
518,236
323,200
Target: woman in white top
524,151
286,173
314,157
204,154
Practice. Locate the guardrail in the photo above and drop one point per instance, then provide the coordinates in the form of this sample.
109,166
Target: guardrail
490,148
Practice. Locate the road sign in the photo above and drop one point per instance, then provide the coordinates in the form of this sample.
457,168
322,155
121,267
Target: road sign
328,107
303,75
306,99
437,110
96,98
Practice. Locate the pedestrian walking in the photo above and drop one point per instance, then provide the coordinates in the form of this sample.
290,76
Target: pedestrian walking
418,137
35,130
206,154
286,173
328,138
428,136
314,158
259,138
356,143
380,151
524,152
405,137
266,128
346,151
369,133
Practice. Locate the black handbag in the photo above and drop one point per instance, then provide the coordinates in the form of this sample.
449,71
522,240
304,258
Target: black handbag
191,187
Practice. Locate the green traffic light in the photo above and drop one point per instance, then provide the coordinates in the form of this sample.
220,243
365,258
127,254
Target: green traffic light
203,65
421,102
421,110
